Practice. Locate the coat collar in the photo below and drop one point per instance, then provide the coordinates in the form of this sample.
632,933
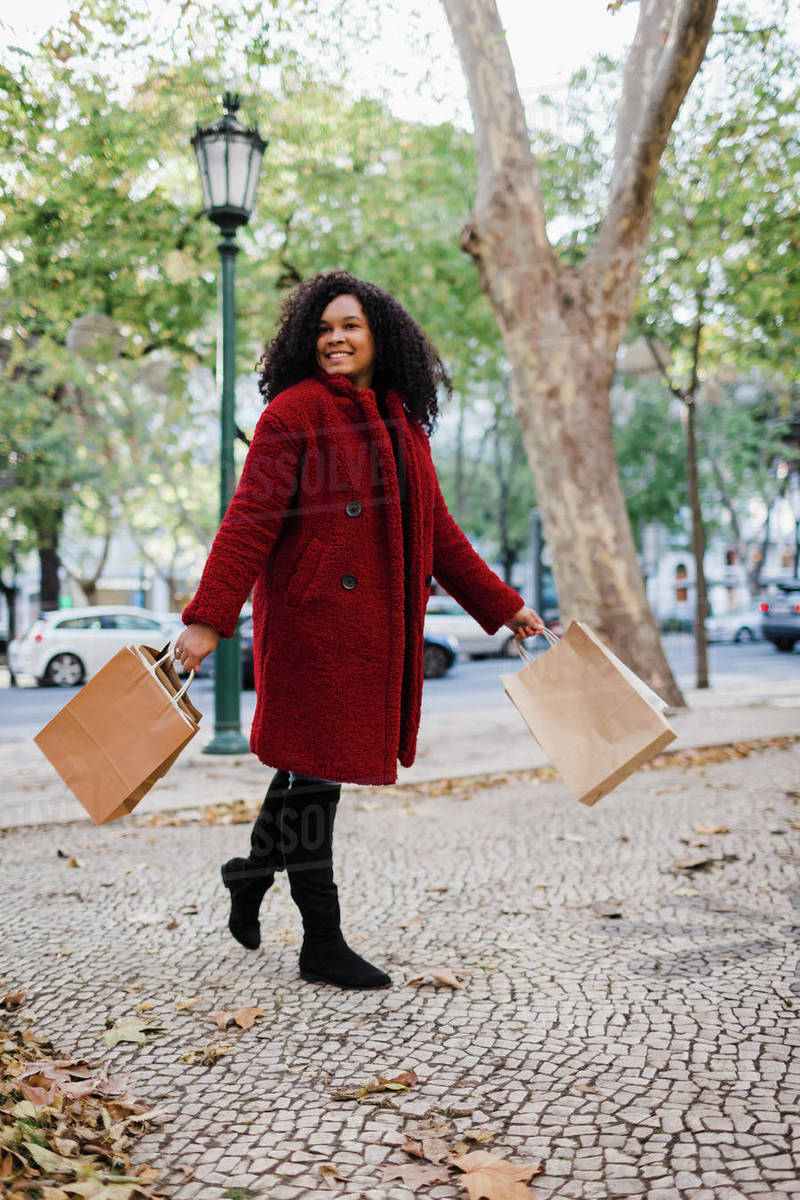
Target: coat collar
340,385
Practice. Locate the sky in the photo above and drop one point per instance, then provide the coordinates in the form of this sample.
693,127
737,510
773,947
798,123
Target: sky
548,42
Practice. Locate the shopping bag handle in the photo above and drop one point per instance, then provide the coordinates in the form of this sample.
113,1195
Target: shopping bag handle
526,655
170,653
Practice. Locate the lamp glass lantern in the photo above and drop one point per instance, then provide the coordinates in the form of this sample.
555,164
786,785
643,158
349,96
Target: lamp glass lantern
229,161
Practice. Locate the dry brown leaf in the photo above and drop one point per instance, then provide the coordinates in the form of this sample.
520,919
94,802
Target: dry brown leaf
478,1135
330,1174
696,862
432,1149
709,829
415,1175
206,1056
147,1173
182,1005
438,887
65,1146
12,1000
40,1096
399,1083
488,1177
245,1017
439,976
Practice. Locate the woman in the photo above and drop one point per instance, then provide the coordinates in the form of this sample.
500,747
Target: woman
339,525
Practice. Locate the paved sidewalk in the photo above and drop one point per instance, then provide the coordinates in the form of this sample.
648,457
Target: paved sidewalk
653,1054
457,744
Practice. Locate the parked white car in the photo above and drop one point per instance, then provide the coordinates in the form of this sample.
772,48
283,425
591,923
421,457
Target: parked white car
738,625
444,615
66,647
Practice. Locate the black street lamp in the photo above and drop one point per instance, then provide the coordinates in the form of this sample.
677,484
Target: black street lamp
229,160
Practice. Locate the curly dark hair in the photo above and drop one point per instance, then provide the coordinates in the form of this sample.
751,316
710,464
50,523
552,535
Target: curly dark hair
404,357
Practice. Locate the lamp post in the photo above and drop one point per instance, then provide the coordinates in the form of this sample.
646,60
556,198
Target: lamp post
229,160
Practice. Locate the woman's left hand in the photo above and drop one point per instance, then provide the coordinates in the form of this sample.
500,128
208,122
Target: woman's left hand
525,623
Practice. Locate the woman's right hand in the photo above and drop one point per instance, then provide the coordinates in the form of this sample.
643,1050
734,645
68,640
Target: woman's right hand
194,644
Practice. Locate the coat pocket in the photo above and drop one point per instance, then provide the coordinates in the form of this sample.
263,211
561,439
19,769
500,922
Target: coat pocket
307,573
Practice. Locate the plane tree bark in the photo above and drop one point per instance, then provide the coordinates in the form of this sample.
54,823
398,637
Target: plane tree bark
562,325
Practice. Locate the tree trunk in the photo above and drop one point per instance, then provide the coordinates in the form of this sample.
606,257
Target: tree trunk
10,592
756,566
503,475
560,396
562,326
698,548
49,564
461,496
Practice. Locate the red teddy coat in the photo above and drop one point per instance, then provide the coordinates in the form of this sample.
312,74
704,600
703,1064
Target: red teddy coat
341,541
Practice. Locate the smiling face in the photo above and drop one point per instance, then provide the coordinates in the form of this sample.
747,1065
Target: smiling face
345,345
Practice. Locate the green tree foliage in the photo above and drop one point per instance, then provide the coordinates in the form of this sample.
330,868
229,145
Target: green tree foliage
101,215
650,450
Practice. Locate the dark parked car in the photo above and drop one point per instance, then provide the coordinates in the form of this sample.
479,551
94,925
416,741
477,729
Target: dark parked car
780,623
440,652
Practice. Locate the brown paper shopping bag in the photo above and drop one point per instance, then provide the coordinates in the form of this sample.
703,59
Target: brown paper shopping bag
594,718
121,732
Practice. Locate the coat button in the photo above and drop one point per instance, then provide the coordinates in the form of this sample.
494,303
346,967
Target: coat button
353,508
428,580
349,582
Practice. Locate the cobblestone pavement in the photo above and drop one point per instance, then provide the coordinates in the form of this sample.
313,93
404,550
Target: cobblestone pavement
654,1054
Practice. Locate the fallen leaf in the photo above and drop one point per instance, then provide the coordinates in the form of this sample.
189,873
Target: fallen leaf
438,888
478,1135
13,1000
38,1095
182,1005
73,862
93,1189
433,1149
206,1056
488,1177
54,1164
147,1173
399,1083
440,976
606,908
684,891
403,1081
415,1175
245,1018
132,1029
697,862
65,1146
25,1108
330,1174
709,829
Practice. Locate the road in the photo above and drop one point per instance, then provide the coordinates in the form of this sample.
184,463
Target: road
470,684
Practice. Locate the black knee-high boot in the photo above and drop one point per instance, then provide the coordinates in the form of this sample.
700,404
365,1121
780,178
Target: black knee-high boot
248,879
307,843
